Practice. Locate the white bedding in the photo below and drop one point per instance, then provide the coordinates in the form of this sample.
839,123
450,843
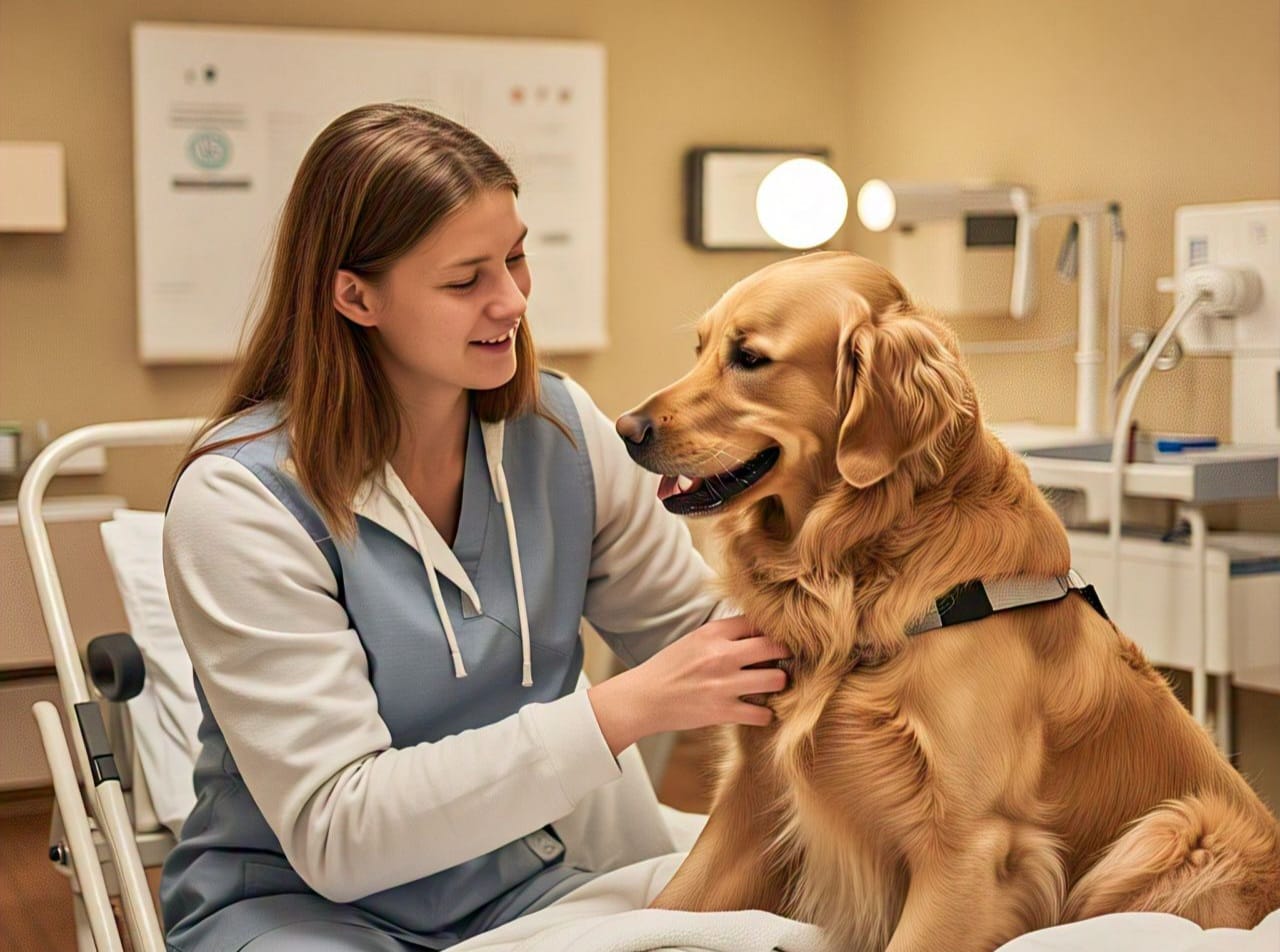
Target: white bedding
608,915
166,714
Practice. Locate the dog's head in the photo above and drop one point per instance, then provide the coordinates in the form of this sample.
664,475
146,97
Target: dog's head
813,369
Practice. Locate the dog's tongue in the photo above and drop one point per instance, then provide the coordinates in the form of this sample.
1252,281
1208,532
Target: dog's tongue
670,485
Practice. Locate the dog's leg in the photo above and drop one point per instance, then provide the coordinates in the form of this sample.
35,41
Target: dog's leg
1205,858
975,896
732,865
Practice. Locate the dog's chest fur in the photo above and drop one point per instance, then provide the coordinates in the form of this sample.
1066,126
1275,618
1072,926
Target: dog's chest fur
832,798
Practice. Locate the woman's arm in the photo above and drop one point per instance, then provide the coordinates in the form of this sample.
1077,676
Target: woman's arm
648,589
287,679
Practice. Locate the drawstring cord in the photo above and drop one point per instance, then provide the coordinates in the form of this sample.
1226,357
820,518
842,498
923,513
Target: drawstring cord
504,500
459,669
493,434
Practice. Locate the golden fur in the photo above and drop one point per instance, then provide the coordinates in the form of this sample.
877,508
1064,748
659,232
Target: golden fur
959,788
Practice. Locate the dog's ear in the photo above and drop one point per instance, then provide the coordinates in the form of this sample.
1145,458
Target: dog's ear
901,384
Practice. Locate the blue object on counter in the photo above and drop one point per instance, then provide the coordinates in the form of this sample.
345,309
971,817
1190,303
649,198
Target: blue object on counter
1176,444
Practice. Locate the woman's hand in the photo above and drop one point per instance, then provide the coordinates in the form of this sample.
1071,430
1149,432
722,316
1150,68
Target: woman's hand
694,682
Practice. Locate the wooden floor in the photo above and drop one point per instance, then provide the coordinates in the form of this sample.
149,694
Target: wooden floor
35,901
35,905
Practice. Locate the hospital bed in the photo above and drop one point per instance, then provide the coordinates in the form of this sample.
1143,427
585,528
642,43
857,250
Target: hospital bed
133,767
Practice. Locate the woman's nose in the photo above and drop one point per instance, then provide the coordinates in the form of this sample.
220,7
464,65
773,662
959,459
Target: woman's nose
510,300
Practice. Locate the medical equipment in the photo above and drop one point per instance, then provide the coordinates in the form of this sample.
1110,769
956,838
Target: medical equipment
94,758
1207,291
1242,235
951,243
882,205
954,279
802,203
1228,288
727,206
1078,260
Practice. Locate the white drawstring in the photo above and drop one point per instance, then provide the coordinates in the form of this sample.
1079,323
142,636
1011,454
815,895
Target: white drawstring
493,439
504,499
414,516
459,670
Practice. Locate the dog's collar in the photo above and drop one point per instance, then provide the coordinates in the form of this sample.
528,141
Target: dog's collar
971,601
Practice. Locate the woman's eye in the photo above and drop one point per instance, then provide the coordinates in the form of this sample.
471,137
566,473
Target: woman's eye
465,284
516,259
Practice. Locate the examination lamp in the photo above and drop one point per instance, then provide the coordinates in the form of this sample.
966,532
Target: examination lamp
989,209
756,199
801,203
989,212
883,205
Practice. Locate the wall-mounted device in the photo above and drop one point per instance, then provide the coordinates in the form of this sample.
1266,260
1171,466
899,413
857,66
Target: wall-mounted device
756,199
969,249
951,243
1245,237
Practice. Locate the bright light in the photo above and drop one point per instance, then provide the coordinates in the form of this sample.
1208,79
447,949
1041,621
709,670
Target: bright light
876,205
801,203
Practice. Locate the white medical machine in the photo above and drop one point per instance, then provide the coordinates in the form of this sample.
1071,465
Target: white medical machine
1209,603
970,248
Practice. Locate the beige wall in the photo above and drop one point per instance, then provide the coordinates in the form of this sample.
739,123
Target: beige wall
1156,103
679,74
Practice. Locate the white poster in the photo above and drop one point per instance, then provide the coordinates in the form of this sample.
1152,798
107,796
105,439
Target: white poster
223,115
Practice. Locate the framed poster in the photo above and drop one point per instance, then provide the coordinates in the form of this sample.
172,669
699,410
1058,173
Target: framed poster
223,115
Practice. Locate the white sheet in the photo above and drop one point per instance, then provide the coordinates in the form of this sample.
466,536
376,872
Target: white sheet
608,915
166,715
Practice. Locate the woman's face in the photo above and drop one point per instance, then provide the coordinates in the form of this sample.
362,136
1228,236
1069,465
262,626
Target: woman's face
447,312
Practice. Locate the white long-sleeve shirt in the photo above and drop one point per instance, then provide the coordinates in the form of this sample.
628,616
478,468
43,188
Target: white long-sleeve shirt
287,677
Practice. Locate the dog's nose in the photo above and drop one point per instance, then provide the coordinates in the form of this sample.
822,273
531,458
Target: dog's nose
635,428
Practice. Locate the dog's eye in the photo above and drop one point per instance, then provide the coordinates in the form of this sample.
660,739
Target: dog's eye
747,359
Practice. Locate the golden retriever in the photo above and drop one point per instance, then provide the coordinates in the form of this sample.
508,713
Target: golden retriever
954,789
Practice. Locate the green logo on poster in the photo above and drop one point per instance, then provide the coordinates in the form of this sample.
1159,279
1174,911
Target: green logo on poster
209,149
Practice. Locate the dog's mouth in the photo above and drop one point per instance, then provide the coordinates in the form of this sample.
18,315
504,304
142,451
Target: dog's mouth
695,495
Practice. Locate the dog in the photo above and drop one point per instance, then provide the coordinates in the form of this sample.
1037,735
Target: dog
956,788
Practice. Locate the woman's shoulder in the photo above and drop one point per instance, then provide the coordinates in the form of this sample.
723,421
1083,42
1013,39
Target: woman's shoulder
228,473
258,427
569,401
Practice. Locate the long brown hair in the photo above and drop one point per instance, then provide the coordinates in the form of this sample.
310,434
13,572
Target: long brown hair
369,188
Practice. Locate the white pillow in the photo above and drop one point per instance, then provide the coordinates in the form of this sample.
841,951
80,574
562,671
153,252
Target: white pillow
1148,932
166,715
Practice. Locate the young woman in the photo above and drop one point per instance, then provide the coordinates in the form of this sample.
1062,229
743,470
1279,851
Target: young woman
379,554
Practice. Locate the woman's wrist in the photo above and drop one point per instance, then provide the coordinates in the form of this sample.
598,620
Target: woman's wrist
621,711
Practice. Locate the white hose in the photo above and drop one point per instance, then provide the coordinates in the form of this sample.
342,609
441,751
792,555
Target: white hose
1120,436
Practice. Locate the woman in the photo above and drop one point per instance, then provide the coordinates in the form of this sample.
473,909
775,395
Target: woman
379,555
